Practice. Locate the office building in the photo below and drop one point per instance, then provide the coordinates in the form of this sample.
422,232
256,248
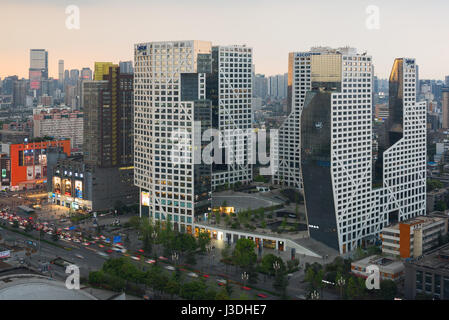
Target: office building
108,119
74,76
330,153
102,69
126,67
104,175
191,87
277,86
414,237
20,89
445,108
61,71
389,269
260,86
86,74
38,68
59,123
428,276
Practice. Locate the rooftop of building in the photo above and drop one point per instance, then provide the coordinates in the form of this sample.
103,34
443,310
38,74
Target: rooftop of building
424,220
386,263
437,259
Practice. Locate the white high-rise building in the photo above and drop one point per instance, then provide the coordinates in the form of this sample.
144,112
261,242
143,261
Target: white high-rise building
325,147
187,87
233,65
61,71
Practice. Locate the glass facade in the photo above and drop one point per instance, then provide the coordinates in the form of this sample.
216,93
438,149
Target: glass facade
316,166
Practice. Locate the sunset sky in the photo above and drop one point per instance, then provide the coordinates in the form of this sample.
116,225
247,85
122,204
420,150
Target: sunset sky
109,28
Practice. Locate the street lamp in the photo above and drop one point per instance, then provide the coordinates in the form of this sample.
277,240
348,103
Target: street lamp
315,295
245,277
341,282
175,257
209,250
276,267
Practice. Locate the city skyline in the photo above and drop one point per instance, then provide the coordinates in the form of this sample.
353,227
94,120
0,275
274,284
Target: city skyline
242,23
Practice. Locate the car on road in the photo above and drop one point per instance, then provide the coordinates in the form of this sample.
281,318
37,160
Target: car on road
163,258
109,251
150,261
135,258
171,268
192,274
79,256
222,281
102,254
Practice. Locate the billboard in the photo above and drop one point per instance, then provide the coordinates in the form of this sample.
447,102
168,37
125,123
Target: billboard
78,189
30,173
37,172
57,185
145,198
67,187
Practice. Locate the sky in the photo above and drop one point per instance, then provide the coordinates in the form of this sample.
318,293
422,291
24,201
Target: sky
109,28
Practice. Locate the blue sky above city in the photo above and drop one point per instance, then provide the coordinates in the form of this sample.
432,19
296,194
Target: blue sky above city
108,30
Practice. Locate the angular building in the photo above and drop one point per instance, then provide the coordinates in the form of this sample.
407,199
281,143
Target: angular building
188,87
330,153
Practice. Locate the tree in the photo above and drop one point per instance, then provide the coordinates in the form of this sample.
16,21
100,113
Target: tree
195,290
203,240
267,263
135,222
351,289
440,206
226,252
172,287
388,289
280,283
243,254
310,277
222,295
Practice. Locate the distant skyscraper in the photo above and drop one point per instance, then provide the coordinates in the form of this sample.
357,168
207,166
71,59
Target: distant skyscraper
38,68
61,71
445,107
277,86
19,94
260,86
126,67
101,69
74,76
446,81
86,74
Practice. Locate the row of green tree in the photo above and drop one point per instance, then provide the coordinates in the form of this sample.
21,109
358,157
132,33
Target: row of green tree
122,275
338,277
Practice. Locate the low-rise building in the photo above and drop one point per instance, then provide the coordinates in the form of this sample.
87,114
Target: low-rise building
428,275
389,269
413,237
77,185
